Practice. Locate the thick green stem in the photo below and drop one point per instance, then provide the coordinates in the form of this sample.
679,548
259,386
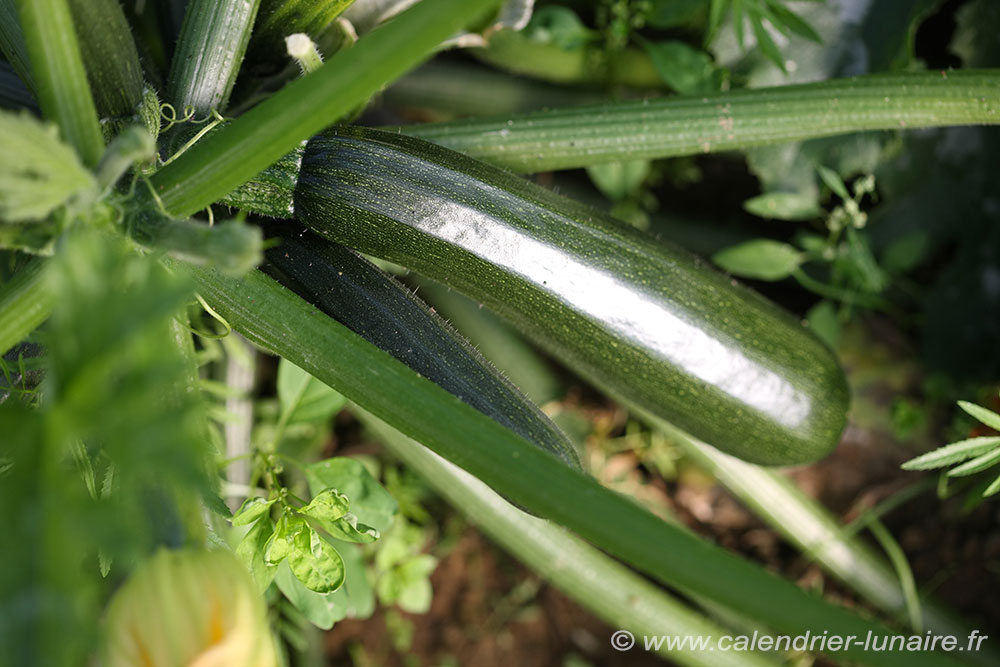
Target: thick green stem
59,77
12,42
278,320
605,587
223,160
209,53
672,126
25,302
109,56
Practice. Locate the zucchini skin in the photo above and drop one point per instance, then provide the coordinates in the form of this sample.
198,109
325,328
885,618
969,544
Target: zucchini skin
356,293
641,319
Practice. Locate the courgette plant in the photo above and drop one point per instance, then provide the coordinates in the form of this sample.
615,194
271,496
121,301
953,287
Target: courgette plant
117,189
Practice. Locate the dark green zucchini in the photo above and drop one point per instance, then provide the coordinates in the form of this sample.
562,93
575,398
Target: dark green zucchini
643,320
355,292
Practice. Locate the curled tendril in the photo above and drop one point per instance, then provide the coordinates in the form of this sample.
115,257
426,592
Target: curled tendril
212,119
219,318
171,119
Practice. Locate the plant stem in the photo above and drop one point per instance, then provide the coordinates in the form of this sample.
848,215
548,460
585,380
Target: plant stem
109,56
25,302
12,43
278,320
209,53
58,74
672,126
238,151
602,585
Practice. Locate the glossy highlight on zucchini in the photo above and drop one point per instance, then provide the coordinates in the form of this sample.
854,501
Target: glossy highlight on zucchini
641,319
359,295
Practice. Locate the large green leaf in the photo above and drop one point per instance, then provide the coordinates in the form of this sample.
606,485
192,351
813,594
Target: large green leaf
276,319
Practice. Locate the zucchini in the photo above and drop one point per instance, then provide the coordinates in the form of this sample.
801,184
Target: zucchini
643,320
356,293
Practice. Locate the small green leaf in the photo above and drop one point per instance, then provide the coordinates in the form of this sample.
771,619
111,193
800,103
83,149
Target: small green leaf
357,596
905,253
987,417
833,181
782,16
282,541
559,26
408,585
764,41
370,503
321,609
618,180
316,563
303,397
348,529
762,259
251,510
687,70
993,488
38,172
977,464
953,453
783,206
251,550
327,505
822,319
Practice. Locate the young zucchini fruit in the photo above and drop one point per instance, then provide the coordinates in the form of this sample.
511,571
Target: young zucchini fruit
641,319
356,293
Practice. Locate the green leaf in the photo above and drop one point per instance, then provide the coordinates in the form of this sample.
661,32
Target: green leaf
282,542
978,464
618,180
415,593
781,16
327,505
304,398
370,503
321,609
357,596
762,259
687,70
765,42
956,451
348,529
783,206
833,181
251,510
993,488
559,26
39,172
906,252
251,550
822,319
987,417
316,563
